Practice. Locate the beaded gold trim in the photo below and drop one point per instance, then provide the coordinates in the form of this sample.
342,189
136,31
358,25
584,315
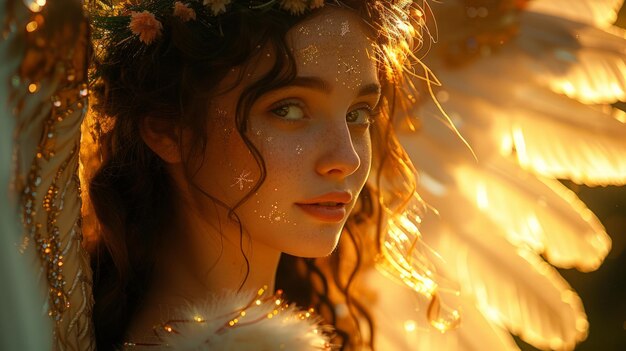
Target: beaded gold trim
49,98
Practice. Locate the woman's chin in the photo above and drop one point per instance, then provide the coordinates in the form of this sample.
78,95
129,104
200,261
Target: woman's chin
321,247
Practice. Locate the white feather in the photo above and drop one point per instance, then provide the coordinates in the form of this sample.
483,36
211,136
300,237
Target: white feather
551,134
601,13
512,287
402,324
579,60
530,211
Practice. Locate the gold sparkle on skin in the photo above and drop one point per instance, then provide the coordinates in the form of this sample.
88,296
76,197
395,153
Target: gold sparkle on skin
242,179
309,54
345,28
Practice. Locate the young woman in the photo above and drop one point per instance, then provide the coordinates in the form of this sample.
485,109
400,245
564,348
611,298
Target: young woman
242,131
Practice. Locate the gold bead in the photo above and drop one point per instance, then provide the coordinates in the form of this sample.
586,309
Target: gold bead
31,27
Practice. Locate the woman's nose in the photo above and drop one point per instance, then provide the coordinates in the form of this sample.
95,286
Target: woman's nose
338,157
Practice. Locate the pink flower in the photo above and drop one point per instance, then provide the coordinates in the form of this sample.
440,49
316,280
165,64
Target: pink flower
316,3
145,25
184,12
295,7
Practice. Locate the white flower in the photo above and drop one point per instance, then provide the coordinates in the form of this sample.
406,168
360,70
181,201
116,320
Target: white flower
295,7
217,6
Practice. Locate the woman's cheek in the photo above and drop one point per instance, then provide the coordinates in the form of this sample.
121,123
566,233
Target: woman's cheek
284,158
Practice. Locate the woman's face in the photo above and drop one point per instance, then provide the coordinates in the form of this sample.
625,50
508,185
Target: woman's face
313,135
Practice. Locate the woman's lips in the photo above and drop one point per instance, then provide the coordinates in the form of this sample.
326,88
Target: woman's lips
326,213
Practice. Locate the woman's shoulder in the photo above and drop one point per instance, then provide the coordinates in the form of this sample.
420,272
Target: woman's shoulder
240,321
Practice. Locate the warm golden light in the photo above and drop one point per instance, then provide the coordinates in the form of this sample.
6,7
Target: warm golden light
520,146
410,326
481,196
32,26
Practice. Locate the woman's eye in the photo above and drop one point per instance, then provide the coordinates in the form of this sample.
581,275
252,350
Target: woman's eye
289,111
359,116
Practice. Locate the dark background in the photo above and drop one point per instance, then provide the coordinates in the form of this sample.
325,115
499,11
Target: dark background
604,291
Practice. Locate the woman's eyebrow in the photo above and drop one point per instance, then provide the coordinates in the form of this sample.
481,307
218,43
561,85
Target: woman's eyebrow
312,83
369,89
323,86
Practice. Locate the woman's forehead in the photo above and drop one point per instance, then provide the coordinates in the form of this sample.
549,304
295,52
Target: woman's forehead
334,43
329,26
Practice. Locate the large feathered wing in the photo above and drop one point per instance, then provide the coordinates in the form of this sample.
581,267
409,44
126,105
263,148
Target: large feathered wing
534,110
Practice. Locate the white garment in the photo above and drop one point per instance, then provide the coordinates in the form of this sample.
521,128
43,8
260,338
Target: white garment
42,108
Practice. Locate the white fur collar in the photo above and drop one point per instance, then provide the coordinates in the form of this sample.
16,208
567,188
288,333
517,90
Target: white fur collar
242,321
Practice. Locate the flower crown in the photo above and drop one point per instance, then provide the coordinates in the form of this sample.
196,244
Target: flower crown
133,26
143,20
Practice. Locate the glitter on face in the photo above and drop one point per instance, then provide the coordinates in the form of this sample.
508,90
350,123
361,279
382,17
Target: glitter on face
345,28
309,54
299,149
242,179
349,70
304,30
347,67
222,123
275,215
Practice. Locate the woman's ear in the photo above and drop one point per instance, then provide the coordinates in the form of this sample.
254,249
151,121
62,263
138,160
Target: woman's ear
162,136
